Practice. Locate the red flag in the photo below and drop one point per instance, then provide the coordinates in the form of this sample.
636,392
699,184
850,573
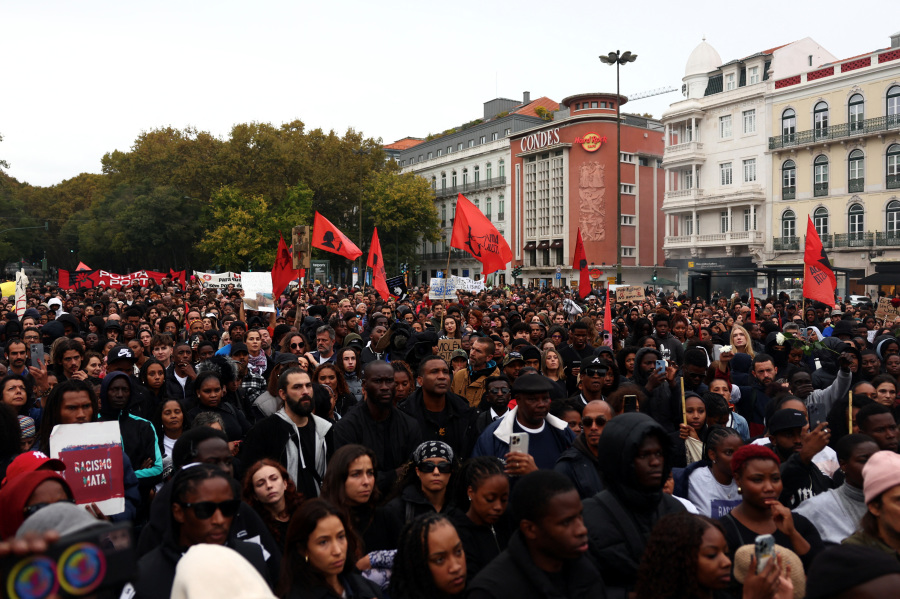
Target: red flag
283,270
580,263
819,281
607,314
474,233
82,266
376,263
752,307
329,238
178,275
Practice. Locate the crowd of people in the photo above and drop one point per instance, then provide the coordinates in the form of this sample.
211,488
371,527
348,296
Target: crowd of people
501,445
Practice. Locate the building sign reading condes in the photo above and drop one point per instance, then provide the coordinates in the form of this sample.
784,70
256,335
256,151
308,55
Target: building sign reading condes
539,140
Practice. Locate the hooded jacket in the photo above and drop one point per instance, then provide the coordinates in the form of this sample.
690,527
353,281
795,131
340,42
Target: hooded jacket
582,467
619,519
664,401
139,438
469,383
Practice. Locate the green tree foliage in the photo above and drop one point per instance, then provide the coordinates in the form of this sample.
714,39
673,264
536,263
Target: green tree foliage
19,244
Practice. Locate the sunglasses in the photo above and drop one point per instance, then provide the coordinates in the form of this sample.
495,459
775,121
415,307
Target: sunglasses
588,422
499,391
595,371
32,509
298,345
428,467
204,510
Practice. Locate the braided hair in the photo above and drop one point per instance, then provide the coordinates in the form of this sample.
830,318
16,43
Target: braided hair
411,577
714,439
474,472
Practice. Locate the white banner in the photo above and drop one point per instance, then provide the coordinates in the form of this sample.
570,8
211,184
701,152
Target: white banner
447,288
258,291
219,280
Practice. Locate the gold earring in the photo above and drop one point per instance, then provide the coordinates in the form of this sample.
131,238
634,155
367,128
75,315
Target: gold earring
740,491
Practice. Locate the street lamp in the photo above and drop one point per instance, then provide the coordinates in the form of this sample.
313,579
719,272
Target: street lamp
617,58
362,264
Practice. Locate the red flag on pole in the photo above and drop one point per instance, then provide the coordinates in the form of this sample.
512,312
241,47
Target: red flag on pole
329,238
752,307
376,263
474,233
283,270
819,281
82,266
607,314
580,263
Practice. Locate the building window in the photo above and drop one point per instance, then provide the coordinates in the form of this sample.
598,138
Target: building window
443,181
788,180
856,112
855,217
402,163
507,132
856,172
477,175
729,82
789,124
627,252
820,221
440,152
471,143
893,167
643,161
820,176
626,157
749,224
444,215
487,207
788,224
488,171
433,183
628,188
628,219
688,179
820,120
430,155
893,218
893,104
501,211
749,170
502,167
459,146
725,126
687,223
753,75
449,149
725,221
725,173
482,139
453,179
750,121
495,136
465,176
593,105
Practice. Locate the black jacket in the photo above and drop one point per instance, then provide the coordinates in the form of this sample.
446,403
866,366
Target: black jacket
377,527
173,387
481,543
236,424
355,587
393,440
412,503
664,401
620,518
582,467
802,481
514,574
572,358
459,429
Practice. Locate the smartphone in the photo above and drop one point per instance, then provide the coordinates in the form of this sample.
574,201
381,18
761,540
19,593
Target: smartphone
78,564
661,366
631,403
37,353
765,550
518,442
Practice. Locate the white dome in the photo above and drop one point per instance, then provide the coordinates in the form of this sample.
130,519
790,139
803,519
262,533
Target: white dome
703,59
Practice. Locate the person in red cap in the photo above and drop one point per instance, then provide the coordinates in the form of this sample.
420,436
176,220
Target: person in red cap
31,461
27,493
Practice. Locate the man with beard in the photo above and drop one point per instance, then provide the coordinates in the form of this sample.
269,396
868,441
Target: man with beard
293,436
756,396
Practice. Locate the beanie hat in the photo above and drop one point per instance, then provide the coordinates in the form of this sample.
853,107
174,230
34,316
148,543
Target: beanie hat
26,425
841,568
64,518
880,473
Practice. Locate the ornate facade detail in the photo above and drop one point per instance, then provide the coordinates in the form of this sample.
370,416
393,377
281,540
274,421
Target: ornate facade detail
591,191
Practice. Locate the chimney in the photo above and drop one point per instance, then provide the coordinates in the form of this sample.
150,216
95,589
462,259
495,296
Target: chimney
526,98
895,40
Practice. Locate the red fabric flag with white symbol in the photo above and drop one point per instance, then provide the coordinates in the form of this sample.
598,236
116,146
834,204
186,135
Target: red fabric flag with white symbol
819,281
580,264
474,233
329,238
376,263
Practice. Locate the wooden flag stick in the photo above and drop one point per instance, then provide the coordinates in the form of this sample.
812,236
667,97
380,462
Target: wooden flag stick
850,415
683,403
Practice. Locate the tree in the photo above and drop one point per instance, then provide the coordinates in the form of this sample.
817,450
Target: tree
3,164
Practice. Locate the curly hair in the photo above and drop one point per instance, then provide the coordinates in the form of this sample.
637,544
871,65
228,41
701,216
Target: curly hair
751,452
411,577
668,569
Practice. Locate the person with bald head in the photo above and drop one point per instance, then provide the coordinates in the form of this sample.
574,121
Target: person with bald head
581,462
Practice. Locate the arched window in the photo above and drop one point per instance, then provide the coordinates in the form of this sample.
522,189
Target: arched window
443,181
444,214
856,176
820,176
433,183
820,220
893,105
487,207
893,166
465,176
453,179
788,180
477,175
788,224
502,167
488,171
789,124
893,219
820,119
856,112
855,217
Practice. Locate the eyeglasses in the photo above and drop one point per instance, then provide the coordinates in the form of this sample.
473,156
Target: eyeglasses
595,371
588,422
428,467
298,345
204,510
499,391
31,509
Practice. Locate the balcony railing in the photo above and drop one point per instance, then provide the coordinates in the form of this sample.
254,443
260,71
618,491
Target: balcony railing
786,244
893,181
788,193
501,216
856,185
474,186
888,238
825,134
820,189
853,240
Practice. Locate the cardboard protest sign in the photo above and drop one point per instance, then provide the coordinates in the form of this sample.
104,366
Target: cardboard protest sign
220,280
258,291
93,456
441,289
885,309
446,347
629,294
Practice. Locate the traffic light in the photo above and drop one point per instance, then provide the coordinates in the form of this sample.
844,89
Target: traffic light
654,275
516,272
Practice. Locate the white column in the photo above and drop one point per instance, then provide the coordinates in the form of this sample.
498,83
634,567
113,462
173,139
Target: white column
668,225
667,175
752,236
693,129
694,177
668,133
730,226
695,226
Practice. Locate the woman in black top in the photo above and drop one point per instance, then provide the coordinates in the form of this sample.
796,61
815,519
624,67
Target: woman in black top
424,485
269,490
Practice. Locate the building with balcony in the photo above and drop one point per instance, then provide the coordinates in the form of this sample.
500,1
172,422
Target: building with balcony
717,169
563,177
472,159
834,149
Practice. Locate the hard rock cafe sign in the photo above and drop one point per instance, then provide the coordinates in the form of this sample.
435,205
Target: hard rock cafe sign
591,142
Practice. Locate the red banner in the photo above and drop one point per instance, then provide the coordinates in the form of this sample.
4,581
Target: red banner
376,263
474,233
819,281
580,264
329,238
103,278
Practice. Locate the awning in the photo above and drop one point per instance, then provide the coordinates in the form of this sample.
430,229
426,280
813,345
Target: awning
556,244
881,278
530,245
544,245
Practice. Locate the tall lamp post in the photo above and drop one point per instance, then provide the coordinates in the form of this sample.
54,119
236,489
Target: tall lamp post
362,261
617,58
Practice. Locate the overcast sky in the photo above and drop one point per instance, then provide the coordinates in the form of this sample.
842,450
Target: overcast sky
84,78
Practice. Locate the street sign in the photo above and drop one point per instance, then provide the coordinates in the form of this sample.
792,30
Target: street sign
440,274
558,276
596,273
558,270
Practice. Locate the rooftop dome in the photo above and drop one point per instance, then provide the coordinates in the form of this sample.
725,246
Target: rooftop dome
703,59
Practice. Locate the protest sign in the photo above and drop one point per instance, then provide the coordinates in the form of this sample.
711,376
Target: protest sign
92,453
629,294
446,347
258,291
885,309
220,280
447,288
